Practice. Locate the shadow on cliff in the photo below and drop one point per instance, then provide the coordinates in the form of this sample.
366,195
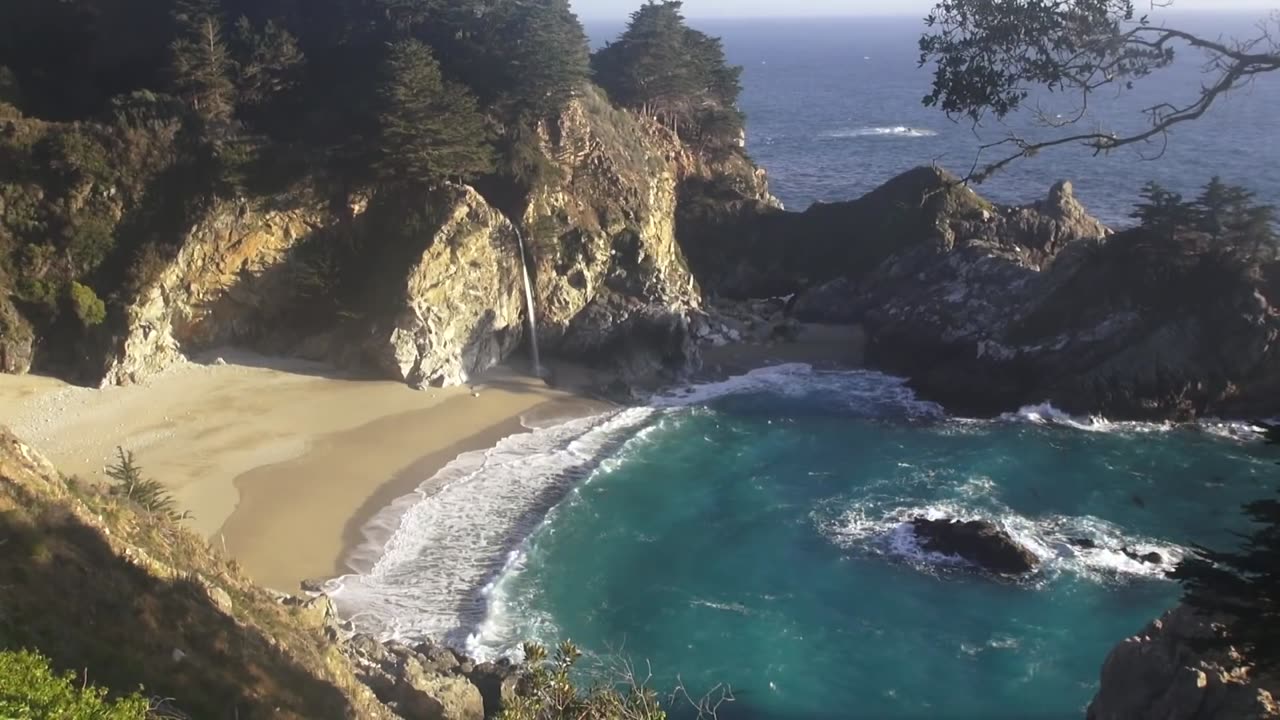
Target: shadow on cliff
65,592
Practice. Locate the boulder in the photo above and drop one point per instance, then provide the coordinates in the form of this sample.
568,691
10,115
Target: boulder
1150,558
499,684
980,542
457,309
1165,672
425,695
17,340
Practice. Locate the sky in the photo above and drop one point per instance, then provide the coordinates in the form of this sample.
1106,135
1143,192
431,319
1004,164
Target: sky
619,9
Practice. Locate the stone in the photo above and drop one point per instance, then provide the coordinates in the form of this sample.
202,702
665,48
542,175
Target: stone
1151,558
17,340
1082,543
498,683
316,612
429,696
1165,671
978,541
313,585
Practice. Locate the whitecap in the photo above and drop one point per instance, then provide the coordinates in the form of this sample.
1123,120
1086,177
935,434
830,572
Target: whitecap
1085,546
429,562
1047,414
899,131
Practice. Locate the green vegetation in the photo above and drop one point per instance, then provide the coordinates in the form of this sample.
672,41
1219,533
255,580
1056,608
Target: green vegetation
432,130
988,57
146,493
667,70
30,690
1242,586
1226,214
88,306
549,692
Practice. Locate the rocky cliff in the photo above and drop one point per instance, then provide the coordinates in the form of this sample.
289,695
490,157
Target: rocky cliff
987,308
1164,672
427,288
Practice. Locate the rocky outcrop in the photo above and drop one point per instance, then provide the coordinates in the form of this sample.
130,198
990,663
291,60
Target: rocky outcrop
1164,672
459,309
980,542
227,285
611,280
17,340
428,681
989,308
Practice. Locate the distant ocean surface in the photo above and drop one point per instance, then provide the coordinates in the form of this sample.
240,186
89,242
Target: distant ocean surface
834,110
753,532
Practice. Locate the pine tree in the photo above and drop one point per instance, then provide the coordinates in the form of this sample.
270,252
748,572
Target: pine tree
1162,211
1230,211
1243,587
544,55
431,129
669,71
202,63
268,61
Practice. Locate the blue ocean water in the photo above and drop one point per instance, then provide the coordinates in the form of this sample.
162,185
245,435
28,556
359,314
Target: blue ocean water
834,109
752,533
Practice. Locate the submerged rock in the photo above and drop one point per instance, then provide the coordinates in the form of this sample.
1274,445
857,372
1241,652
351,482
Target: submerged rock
1165,672
980,542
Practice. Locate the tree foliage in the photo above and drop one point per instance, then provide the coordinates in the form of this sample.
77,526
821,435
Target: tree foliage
431,128
989,56
202,63
549,692
670,71
1227,214
148,494
1243,586
31,690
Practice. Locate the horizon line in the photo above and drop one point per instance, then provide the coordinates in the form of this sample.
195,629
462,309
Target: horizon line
894,15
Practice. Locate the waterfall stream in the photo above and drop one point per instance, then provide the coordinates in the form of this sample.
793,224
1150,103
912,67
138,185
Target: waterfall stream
529,309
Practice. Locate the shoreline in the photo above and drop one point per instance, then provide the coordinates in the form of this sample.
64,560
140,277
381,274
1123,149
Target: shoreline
285,462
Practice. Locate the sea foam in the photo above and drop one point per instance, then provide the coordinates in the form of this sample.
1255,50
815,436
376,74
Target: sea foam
897,131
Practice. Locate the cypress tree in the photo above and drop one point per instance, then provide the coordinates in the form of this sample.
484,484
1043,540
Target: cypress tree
202,63
545,57
431,129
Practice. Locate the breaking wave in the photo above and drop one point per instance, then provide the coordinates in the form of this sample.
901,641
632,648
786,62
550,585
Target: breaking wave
1089,547
899,131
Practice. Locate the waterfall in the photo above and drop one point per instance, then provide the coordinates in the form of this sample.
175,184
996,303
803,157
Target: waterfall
528,306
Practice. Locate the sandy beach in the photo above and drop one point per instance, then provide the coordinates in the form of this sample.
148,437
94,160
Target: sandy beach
283,462
280,460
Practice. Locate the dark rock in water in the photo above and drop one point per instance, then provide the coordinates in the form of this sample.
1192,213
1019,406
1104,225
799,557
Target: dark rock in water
1151,558
1138,501
979,541
1082,543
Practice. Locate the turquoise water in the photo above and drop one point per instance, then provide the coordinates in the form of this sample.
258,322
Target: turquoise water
750,534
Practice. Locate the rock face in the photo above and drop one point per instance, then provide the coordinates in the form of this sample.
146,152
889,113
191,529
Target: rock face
426,682
17,340
979,542
1159,674
989,308
613,285
226,285
459,309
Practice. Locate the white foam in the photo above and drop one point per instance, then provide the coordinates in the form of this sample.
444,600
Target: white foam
1047,414
432,557
859,390
1048,538
901,131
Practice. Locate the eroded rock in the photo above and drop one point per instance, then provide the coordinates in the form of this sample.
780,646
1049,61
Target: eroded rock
980,542
1163,672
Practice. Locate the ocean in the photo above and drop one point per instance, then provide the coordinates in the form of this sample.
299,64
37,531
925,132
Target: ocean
751,533
834,110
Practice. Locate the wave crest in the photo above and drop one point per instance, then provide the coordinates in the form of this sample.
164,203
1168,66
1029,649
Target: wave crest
900,131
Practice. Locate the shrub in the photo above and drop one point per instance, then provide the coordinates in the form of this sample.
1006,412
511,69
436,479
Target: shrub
550,693
150,495
87,305
30,690
90,240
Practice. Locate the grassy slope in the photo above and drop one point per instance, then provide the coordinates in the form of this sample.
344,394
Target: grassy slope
110,592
